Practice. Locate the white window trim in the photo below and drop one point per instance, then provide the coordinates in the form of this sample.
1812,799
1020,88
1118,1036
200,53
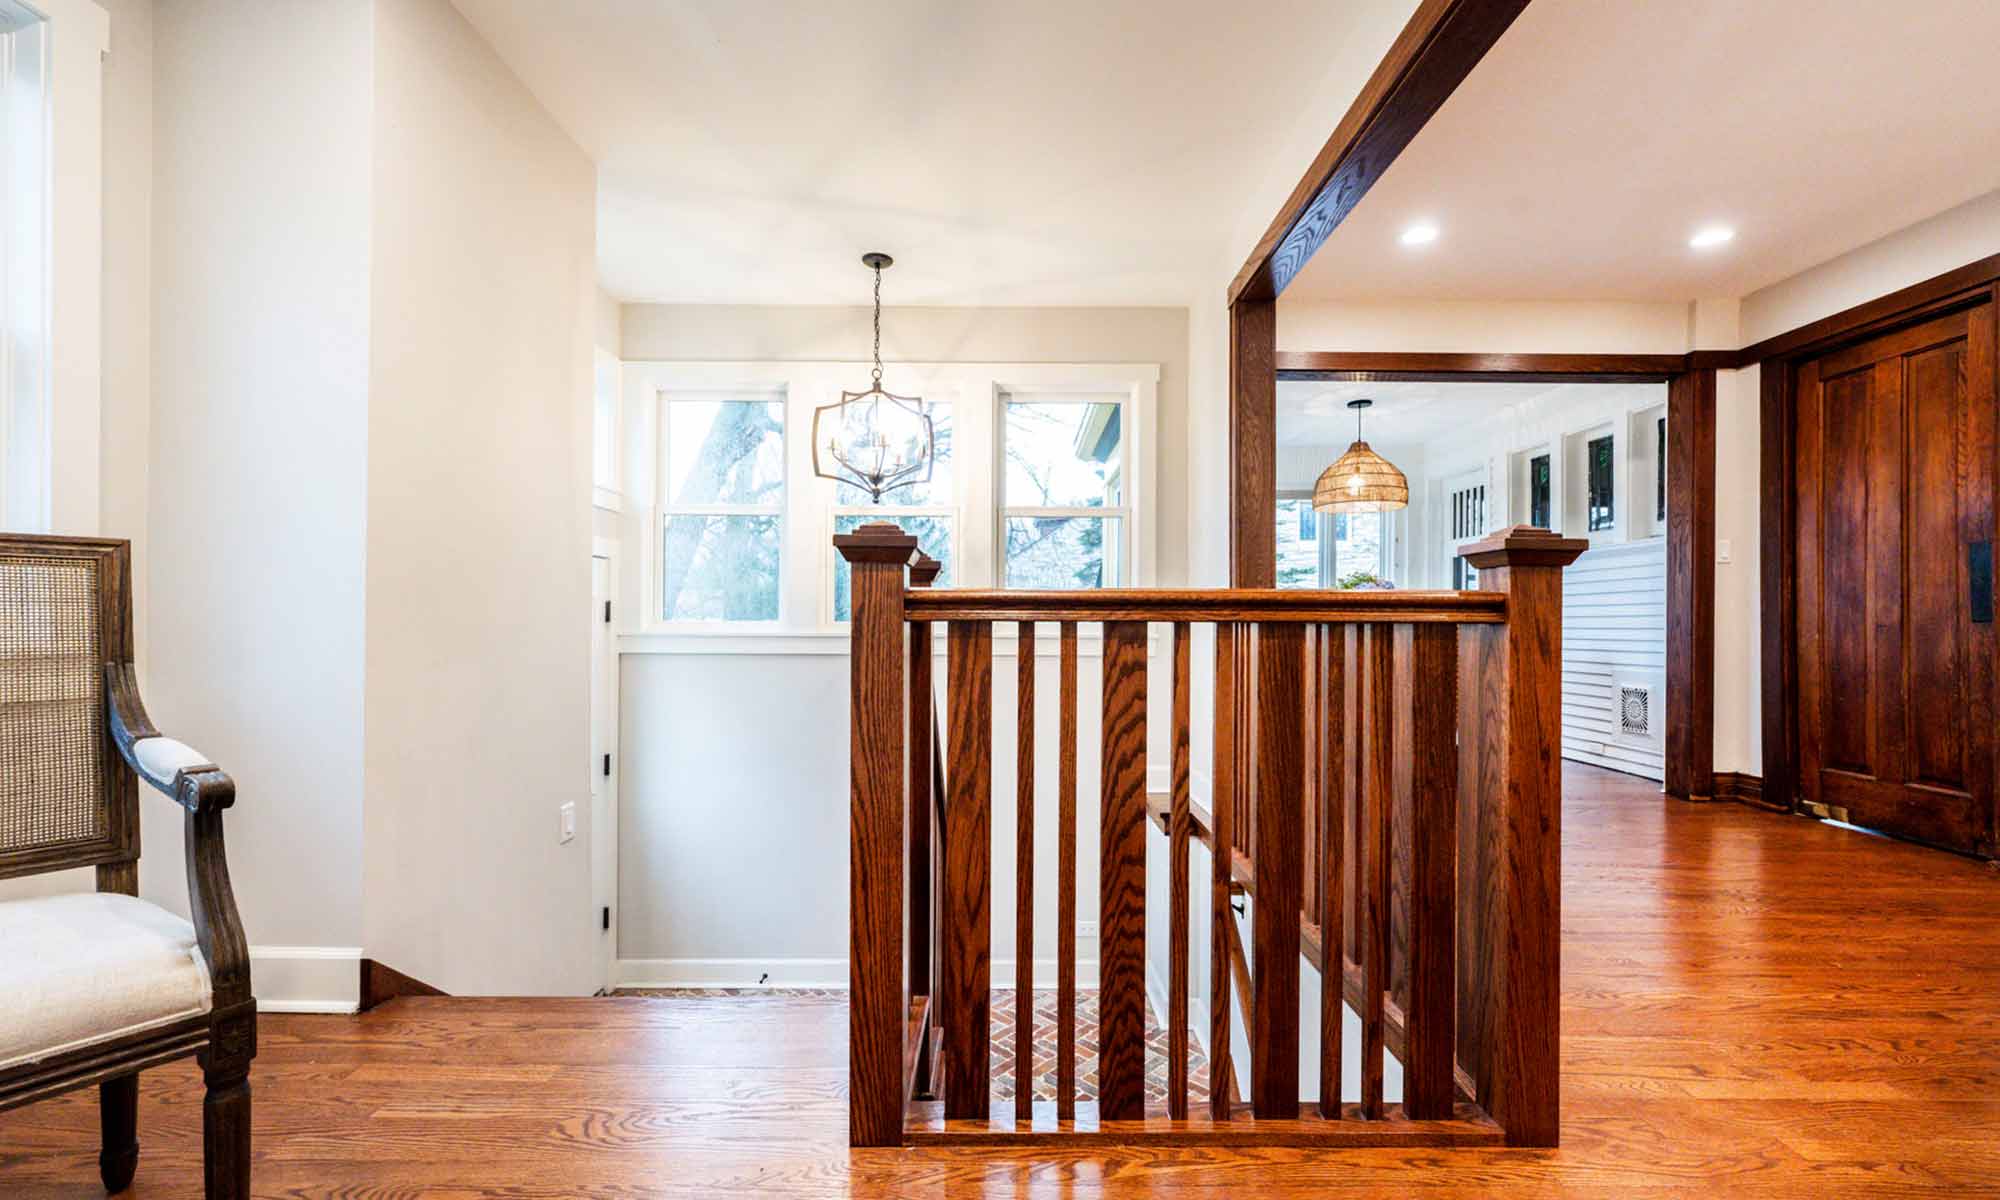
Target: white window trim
69,496
975,390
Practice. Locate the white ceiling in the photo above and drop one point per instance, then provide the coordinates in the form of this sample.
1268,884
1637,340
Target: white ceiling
1587,147
1026,152
1311,413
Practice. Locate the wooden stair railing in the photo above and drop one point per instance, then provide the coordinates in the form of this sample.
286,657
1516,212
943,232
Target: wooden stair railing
1386,788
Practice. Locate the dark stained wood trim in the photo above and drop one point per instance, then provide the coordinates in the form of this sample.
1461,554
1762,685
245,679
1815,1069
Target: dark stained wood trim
1690,741
1467,1126
1253,444
1743,788
1121,909
1436,50
1778,631
1928,298
1348,366
1280,869
381,984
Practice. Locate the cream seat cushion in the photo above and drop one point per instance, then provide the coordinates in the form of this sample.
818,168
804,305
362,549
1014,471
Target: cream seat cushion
89,967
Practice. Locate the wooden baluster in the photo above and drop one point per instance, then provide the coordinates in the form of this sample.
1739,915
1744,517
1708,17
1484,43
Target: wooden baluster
1333,778
1066,883
922,743
1121,954
1221,1074
1280,721
1180,828
968,873
1430,1038
878,990
1024,875
1510,827
1377,794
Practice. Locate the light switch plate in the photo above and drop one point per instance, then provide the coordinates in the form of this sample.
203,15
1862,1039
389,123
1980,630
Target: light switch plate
1722,550
568,831
1086,929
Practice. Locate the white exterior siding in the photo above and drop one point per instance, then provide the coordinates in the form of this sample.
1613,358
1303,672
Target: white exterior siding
1615,637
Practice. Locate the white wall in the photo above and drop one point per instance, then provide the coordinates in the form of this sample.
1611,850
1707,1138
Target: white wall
735,765
1521,327
259,440
478,525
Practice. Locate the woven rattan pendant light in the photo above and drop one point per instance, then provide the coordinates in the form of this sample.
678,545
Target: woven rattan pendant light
1361,480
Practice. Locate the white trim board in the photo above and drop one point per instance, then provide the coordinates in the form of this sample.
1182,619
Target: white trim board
798,973
306,979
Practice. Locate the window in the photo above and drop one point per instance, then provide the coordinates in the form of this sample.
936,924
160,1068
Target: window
1468,521
24,266
924,510
1064,508
1660,474
1301,559
1598,464
1360,547
1538,492
723,493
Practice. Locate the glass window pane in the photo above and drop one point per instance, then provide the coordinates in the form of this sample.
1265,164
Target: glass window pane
1298,545
725,452
1599,514
933,536
938,491
1064,552
719,568
1064,455
1357,551
1538,491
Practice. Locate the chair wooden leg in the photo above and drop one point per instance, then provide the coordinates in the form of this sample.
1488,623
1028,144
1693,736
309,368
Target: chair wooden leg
118,1116
225,1135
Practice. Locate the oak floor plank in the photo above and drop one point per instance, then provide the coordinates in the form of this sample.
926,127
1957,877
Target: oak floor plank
1717,1041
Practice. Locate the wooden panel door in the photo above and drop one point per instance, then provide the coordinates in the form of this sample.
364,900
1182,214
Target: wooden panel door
1895,476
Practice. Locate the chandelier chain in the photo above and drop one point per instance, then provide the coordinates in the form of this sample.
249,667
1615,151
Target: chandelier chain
878,327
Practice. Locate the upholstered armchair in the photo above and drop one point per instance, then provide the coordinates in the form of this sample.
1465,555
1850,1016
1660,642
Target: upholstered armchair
95,987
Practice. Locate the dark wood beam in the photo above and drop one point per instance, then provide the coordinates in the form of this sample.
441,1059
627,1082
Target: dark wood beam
1342,365
1439,47
1690,758
1253,444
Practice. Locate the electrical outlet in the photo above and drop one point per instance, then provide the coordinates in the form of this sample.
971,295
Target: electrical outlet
568,829
1086,929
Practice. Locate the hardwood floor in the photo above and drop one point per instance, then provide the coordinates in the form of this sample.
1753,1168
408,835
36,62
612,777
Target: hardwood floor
1753,1005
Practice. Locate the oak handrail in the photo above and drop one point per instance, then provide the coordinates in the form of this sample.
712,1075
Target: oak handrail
1204,605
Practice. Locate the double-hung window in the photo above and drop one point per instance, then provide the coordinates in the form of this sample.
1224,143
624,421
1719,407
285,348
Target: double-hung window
926,511
722,507
1066,514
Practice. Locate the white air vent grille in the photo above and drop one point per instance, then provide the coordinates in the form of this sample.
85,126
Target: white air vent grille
1635,711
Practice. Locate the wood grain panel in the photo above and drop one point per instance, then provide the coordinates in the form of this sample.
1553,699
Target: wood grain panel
964,996
1263,605
1274,1041
1377,794
1690,699
1179,835
1221,919
1121,1041
1066,876
1332,776
1024,869
1428,1085
1253,444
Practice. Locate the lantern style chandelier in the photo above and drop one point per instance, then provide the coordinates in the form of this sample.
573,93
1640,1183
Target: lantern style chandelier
874,440
1360,480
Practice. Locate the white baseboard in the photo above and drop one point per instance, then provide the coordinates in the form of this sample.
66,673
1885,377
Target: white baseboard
798,972
306,979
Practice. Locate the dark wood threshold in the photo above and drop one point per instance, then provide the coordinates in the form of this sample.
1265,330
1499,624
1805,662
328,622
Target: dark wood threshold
1744,789
1468,1126
380,984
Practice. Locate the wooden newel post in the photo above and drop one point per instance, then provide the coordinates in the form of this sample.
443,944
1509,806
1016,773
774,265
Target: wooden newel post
1510,835
878,984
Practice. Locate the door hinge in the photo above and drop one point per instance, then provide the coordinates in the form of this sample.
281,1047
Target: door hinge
607,766
607,612
607,917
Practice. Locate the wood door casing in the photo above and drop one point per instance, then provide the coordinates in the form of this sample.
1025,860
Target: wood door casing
1894,481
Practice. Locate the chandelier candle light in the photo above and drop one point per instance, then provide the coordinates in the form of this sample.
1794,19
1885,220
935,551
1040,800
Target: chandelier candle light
874,440
1360,480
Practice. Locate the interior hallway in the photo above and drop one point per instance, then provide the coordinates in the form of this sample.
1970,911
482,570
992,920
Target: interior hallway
1753,1004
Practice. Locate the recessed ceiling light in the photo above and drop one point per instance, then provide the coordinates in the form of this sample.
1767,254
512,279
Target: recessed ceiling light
1711,236
1421,234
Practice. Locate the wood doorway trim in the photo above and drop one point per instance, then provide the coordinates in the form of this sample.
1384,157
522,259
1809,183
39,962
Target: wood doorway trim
1436,50
1690,380
1777,359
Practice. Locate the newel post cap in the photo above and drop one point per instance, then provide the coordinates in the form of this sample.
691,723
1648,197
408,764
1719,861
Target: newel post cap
876,542
924,570
1524,546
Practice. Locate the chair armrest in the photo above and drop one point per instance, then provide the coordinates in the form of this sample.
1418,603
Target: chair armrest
174,768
